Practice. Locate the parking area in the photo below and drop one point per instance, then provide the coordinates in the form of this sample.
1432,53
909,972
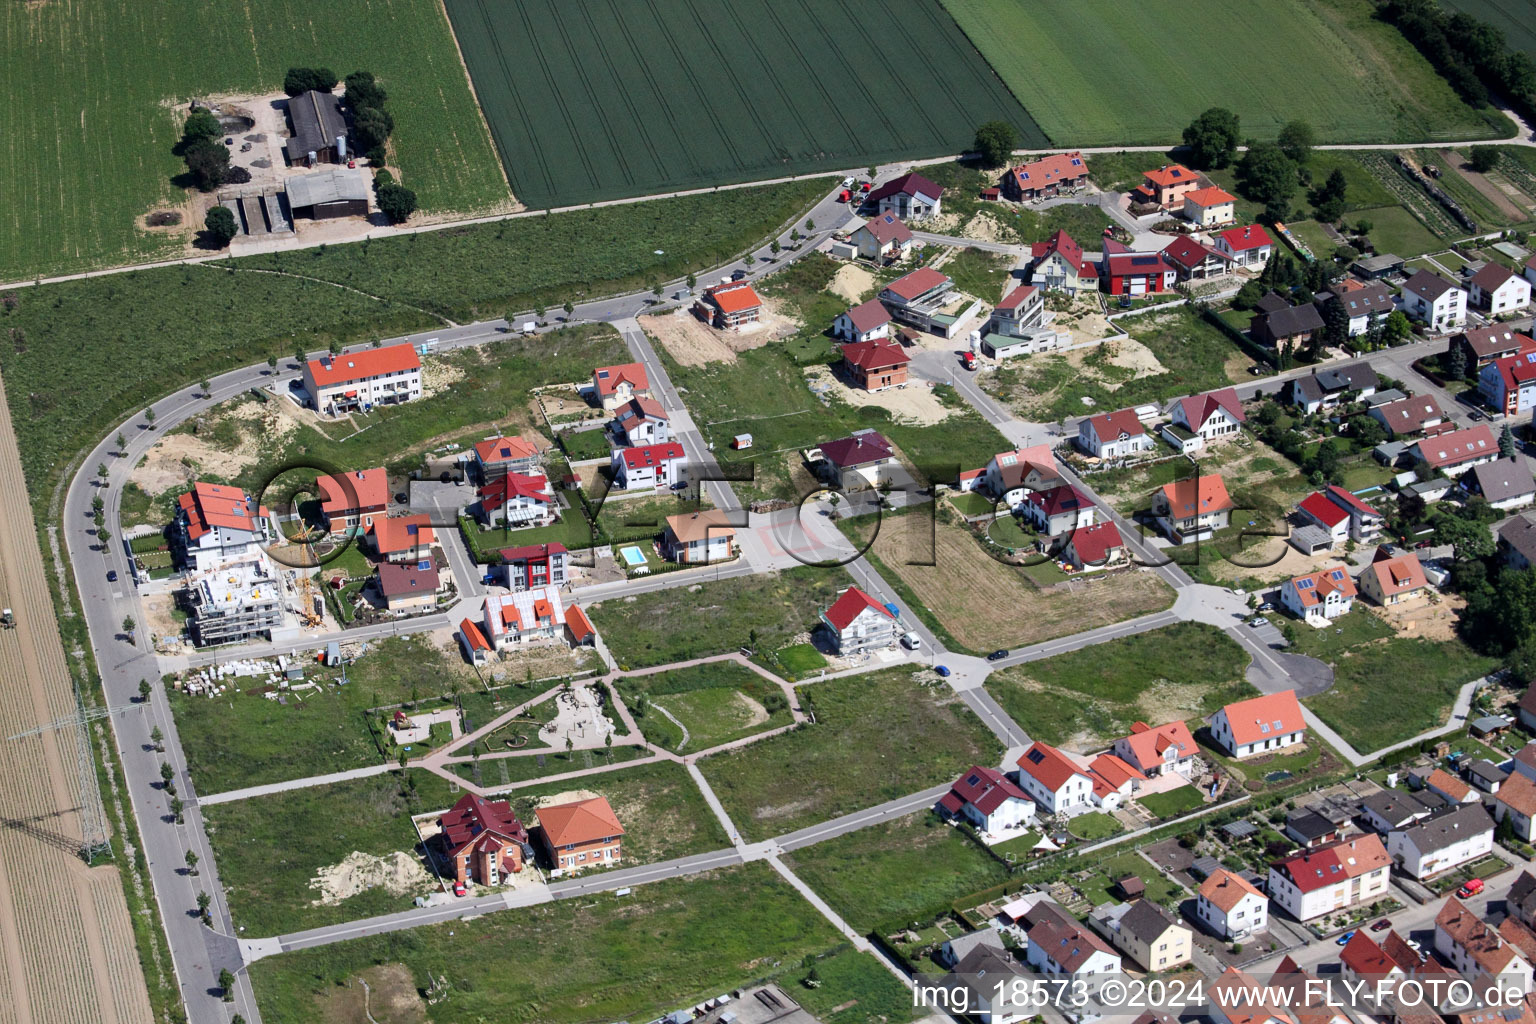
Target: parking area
1266,632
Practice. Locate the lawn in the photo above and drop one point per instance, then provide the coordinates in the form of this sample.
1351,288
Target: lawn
1362,83
594,959
715,703
898,873
972,504
1370,666
1159,889
848,760
986,275
1173,803
1094,826
796,660
613,103
715,617
1087,698
1312,235
95,93
1395,230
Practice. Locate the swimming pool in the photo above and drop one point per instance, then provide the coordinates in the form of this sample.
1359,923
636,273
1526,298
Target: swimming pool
632,556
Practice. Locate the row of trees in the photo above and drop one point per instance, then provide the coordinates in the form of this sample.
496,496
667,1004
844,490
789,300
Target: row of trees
1471,55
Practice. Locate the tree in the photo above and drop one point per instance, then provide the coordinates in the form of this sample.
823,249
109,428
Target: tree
372,127
227,984
1367,432
568,307
774,247
167,773
299,80
995,142
1329,198
1266,175
271,364
397,203
191,862
1456,362
363,91
608,747
149,416
1212,138
1470,539
656,289
299,354
1397,329
157,738
1506,443
1335,323
221,226
810,225
177,808
128,624
208,162
200,124
570,745
144,691
1484,159
692,280
1296,140
203,902
122,443
101,470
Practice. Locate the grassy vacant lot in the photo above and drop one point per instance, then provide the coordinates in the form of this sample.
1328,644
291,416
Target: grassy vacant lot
1087,698
946,577
1395,230
878,736
1159,889
716,703
891,875
1172,803
84,159
712,618
1371,666
592,959
611,103
270,848
1092,76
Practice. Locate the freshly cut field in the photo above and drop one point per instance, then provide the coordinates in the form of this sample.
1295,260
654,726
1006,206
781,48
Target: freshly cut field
611,98
1095,72
91,94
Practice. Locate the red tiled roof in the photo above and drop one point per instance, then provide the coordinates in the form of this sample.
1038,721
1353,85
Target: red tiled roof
216,506
1112,771
1362,956
986,789
516,485
911,184
473,636
867,316
608,378
910,286
504,449
1135,264
1196,496
402,533
652,454
1519,794
1224,890
400,580
1093,544
474,814
638,409
1048,766
1109,425
1200,408
1448,785
875,354
577,622
1014,299
1517,370
888,228
1049,170
1458,446
1188,253
1057,500
1398,574
849,605
1250,236
1313,588
582,821
737,297
1062,243
1209,197
858,450
1339,496
1148,743
1170,174
535,551
1324,511
1274,714
1337,862
359,490
365,363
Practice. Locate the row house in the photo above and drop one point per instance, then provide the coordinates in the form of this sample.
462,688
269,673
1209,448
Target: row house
1443,841
1045,177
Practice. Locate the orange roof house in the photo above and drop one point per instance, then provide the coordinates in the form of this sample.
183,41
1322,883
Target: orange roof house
353,499
405,538
730,304
580,834
1166,186
616,385
1195,507
1154,749
1393,579
209,507
1253,726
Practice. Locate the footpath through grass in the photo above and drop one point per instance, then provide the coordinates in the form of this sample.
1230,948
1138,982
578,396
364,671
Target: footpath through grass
715,703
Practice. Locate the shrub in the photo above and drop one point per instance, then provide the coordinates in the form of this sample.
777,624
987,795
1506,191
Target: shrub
301,80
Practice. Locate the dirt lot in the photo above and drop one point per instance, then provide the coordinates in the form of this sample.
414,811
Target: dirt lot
400,874
694,343
390,998
852,282
237,435
67,952
1514,204
1085,319
964,578
914,403
1428,618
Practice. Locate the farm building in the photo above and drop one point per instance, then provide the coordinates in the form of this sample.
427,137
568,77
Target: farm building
319,130
1045,177
328,194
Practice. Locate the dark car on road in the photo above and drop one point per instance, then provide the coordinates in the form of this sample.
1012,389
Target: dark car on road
998,655
111,575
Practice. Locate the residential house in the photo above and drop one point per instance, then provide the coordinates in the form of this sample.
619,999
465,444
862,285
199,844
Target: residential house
1474,948
1377,266
1326,389
352,501
1259,725
1524,762
642,421
1017,326
1365,304
1211,416
233,601
1486,344
1503,483
1521,901
580,834
578,628
864,459
859,624
1154,750
699,538
477,649
408,587
1114,781
1484,774
319,129
1247,246
483,840
498,455
1443,841
1508,385
1302,993
1407,416
875,365
1054,781
1113,435
910,197
868,321
1209,207
1363,960
1229,906
524,617
217,524
1309,829
534,565
1517,546
1456,451
358,381
1094,547
990,984
1342,514
1319,597
651,466
1008,476
1312,883
616,385
1294,325
515,501
1167,186
1192,261
1516,800
1389,810
988,800
1045,177
1057,265
1150,936
1192,509
883,239
1393,579
919,299
729,305
1061,947
956,949
1432,299
1057,511
1497,291
1236,998
403,538
1135,273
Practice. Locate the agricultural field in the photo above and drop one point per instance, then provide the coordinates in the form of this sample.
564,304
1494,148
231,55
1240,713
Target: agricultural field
89,128
749,91
848,760
1084,700
1353,78
1510,18
714,703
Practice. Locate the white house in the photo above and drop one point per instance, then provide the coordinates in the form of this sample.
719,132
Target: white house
1154,750
1053,781
988,800
910,197
1212,416
652,466
882,238
612,386
1496,290
1017,326
361,380
699,538
981,982
859,623
1060,947
1435,301
1328,878
1057,265
1516,800
1231,907
1319,597
1442,841
217,524
1057,511
1008,476
1366,304
642,421
1474,948
1209,207
517,501
1114,435
864,322
1259,725
1248,246
524,617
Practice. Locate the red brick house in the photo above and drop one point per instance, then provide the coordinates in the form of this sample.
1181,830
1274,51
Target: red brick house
581,834
483,840
351,501
876,364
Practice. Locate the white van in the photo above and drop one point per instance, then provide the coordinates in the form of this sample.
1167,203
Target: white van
911,641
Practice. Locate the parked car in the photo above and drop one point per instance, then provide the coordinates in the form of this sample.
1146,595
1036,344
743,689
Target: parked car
1381,926
111,575
943,671
458,889
1343,940
911,641
1472,888
997,655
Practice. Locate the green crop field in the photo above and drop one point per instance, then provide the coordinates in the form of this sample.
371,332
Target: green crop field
1095,72
1511,17
607,98
92,93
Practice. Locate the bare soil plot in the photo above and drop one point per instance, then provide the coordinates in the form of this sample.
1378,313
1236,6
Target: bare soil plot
915,403
693,343
1424,618
852,282
390,997
1502,198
